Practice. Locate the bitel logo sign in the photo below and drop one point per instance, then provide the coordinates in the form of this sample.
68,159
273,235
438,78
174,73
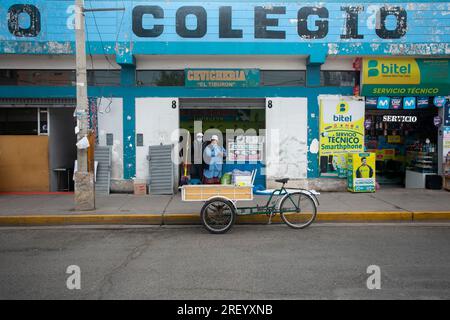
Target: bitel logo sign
372,68
341,109
391,71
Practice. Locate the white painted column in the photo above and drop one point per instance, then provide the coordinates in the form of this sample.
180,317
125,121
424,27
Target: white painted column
110,121
158,119
286,138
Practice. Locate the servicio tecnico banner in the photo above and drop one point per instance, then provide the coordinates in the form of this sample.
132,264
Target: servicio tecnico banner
341,131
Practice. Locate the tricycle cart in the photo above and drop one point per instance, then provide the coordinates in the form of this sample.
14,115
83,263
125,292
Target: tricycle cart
297,207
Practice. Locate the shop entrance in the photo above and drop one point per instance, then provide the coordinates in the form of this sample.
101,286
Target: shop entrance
244,150
62,149
37,148
405,142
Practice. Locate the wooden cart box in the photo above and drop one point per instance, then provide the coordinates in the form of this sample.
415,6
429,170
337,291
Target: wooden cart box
206,192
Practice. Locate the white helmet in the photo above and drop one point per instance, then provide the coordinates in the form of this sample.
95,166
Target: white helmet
215,137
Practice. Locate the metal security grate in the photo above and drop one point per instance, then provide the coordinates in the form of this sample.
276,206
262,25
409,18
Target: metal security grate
39,102
103,157
161,169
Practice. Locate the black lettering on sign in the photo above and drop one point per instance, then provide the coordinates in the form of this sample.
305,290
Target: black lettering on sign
199,13
351,22
14,24
225,24
138,14
322,25
399,31
262,22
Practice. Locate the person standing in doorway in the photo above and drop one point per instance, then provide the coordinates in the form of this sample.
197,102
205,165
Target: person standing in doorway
198,146
214,160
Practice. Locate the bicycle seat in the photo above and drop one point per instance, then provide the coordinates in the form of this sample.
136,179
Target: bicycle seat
284,180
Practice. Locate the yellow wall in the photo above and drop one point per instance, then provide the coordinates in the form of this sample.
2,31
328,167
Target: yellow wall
24,163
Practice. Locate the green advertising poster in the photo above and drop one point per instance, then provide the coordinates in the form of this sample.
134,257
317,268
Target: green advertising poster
405,77
361,172
341,131
222,78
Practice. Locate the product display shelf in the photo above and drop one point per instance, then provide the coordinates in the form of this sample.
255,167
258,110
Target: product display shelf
420,161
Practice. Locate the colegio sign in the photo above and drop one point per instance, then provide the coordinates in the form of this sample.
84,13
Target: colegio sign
171,21
14,25
264,19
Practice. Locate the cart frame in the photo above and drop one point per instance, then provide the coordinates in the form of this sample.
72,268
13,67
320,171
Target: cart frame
272,207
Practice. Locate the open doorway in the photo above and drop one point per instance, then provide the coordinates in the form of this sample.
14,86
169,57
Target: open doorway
405,142
37,148
62,149
244,151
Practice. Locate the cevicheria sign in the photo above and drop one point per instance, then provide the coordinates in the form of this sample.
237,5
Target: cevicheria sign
173,21
405,77
222,78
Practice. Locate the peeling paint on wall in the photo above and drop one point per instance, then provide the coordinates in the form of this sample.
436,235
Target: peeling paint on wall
345,28
314,147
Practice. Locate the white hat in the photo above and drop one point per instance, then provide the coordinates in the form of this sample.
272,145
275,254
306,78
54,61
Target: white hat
199,134
215,137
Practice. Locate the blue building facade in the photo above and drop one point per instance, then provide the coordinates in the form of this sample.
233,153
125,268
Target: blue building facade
322,41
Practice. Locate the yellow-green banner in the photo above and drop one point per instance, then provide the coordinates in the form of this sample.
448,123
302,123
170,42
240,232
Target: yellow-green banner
341,131
405,77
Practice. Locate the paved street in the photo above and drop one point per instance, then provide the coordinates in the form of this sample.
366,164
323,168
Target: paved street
325,261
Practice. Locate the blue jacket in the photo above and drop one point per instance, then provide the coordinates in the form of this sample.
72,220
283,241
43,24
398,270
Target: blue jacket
215,154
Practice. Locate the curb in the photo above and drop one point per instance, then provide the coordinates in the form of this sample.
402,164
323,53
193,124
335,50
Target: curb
85,219
431,216
193,218
321,217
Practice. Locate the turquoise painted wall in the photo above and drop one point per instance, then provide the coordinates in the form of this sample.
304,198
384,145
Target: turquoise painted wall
130,92
423,28
46,27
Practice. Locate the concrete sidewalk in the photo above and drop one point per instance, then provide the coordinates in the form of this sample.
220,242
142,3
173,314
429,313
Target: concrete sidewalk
386,204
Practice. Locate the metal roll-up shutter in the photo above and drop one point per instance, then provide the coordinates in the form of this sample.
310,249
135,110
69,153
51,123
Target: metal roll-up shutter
103,157
161,169
222,103
38,102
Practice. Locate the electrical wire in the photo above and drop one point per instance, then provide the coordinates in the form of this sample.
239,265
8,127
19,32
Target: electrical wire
92,65
100,37
120,25
108,107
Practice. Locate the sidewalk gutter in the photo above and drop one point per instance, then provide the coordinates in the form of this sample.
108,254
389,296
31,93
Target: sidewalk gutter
193,218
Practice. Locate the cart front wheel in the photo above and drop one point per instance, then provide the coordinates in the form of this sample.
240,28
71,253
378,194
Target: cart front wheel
218,215
298,210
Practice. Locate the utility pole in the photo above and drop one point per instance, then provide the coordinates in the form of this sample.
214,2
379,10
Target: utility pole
84,179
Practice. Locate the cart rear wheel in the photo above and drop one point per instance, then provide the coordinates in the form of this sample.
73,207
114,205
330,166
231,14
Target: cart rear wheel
298,210
218,215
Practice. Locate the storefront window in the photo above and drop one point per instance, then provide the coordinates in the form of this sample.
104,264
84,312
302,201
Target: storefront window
37,77
57,77
7,77
103,78
337,78
160,78
283,78
19,121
